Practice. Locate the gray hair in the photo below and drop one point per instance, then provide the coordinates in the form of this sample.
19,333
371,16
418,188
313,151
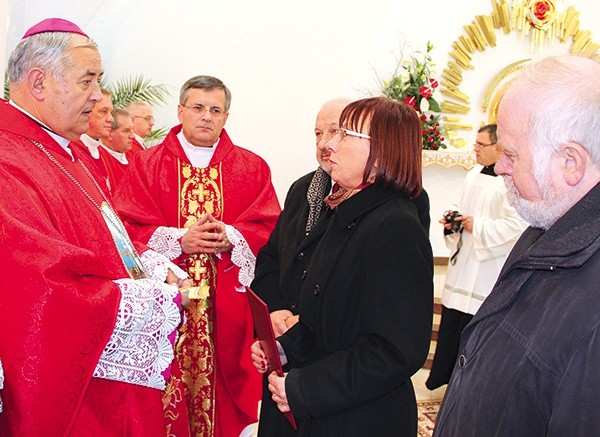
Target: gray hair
137,104
206,83
48,51
118,113
568,105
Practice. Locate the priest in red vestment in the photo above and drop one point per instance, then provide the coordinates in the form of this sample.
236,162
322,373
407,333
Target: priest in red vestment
143,122
210,206
87,322
114,148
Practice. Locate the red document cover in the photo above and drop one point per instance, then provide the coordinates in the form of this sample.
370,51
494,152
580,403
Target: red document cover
266,337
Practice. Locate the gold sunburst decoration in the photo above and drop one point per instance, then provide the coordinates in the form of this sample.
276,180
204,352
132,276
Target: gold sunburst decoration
539,20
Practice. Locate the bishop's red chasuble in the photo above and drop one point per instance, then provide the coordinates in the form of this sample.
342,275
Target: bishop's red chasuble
58,301
213,375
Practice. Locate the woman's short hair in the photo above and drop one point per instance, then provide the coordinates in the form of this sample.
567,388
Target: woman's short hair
396,142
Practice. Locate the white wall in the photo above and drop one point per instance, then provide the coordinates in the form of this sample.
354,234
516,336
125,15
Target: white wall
282,59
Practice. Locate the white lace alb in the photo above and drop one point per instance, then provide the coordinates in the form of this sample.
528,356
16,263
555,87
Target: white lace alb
139,349
158,265
241,256
165,240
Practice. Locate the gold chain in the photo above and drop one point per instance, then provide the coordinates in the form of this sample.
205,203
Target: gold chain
118,224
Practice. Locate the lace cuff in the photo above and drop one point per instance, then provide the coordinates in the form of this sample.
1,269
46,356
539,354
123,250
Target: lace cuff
158,265
241,256
1,383
139,349
165,241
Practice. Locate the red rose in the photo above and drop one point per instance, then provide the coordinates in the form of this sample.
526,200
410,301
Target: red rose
540,9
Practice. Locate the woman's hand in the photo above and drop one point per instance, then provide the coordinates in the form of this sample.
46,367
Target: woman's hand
277,388
258,357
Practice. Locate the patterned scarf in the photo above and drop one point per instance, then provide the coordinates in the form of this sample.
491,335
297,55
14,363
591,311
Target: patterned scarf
315,195
339,194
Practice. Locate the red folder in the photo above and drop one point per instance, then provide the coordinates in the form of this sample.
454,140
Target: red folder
266,337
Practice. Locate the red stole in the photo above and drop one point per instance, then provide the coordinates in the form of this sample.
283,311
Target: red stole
200,192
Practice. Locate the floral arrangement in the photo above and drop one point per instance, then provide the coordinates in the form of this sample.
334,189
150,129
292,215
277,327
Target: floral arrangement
412,83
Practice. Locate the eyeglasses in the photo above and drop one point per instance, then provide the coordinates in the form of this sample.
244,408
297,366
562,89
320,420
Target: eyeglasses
343,132
148,118
481,146
214,111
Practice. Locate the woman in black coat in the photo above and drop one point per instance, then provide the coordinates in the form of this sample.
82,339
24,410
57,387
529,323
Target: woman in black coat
366,304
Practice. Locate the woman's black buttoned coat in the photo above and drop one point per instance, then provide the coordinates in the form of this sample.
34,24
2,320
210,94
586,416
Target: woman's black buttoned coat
366,309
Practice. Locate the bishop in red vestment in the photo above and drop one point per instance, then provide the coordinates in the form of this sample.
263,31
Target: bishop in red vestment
161,195
87,323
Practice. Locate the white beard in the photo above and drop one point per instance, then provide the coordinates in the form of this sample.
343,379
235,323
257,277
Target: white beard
541,213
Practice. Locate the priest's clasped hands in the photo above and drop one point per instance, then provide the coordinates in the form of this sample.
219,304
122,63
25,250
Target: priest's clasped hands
207,235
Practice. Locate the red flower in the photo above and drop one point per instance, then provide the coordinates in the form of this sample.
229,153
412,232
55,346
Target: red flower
433,83
410,101
425,91
540,9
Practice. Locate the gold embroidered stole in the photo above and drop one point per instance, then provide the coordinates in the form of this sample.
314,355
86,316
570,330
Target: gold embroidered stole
200,192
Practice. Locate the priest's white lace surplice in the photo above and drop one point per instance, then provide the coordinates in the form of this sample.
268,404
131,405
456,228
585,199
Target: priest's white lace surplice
139,349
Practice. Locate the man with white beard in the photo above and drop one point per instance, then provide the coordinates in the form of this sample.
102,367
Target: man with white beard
528,361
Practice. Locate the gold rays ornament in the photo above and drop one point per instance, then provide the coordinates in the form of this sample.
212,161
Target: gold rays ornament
541,21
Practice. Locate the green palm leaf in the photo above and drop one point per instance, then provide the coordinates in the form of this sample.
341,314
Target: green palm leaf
137,87
131,88
6,86
156,136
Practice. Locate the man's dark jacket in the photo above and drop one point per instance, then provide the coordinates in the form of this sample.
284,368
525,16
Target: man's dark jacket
529,361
